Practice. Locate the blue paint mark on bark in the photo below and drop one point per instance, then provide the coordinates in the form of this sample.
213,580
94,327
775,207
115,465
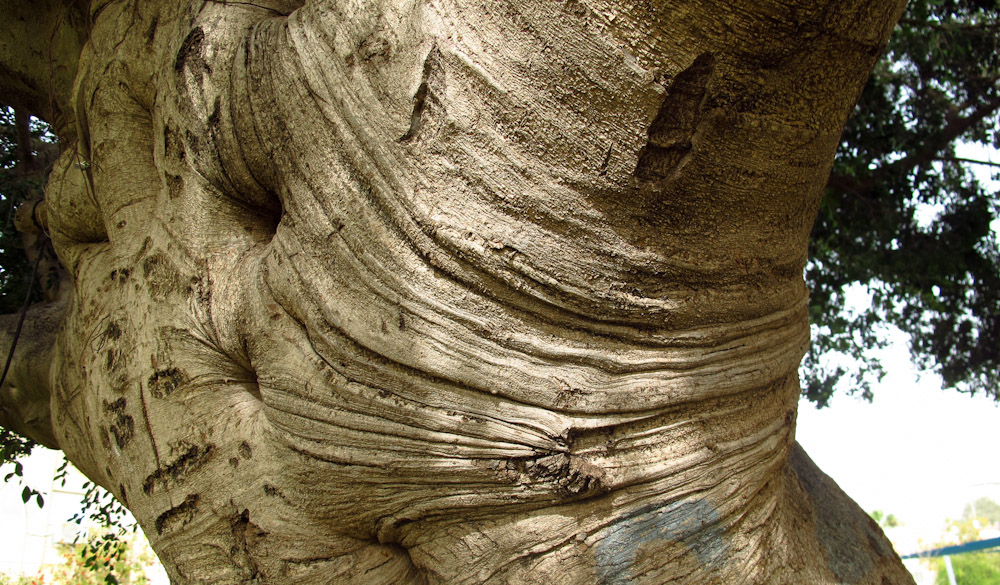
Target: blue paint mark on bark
695,523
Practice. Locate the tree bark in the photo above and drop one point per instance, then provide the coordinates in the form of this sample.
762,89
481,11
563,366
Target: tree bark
456,291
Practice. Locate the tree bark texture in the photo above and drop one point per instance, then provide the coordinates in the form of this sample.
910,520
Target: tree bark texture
453,291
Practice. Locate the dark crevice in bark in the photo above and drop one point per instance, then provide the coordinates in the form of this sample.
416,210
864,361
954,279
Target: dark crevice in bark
190,50
431,84
246,537
178,516
675,123
192,459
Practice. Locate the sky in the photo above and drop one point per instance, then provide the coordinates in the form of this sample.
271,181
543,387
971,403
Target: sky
917,451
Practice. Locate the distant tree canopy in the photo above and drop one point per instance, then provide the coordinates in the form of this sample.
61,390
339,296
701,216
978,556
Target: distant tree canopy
905,216
983,509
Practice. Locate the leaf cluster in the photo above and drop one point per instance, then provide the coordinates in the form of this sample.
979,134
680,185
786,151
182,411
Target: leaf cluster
906,216
971,569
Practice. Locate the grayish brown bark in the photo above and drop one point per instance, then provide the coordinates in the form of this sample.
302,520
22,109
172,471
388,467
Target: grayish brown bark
454,291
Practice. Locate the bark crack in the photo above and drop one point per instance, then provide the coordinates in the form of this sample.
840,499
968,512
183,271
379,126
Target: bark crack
431,85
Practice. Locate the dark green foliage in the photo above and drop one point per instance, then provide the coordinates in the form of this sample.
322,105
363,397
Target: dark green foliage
904,216
16,186
101,508
13,448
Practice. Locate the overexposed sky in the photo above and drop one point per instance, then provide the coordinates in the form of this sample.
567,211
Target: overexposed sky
916,451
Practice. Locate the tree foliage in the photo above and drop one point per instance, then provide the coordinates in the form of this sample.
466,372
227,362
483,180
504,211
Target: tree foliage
984,510
100,559
905,216
971,569
21,179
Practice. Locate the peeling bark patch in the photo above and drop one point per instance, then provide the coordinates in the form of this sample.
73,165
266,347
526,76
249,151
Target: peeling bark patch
191,47
372,47
122,425
163,382
161,276
273,492
175,186
694,523
120,276
675,123
190,461
173,147
178,516
113,331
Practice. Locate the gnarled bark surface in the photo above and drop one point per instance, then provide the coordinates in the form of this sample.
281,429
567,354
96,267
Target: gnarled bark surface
454,291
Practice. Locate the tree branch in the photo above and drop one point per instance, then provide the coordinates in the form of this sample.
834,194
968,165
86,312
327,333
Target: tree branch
967,160
952,27
40,45
25,394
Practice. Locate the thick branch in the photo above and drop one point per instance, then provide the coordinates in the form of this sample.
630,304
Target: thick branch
24,396
40,45
933,147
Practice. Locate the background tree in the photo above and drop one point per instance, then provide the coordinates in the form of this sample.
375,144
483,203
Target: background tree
983,509
884,520
905,216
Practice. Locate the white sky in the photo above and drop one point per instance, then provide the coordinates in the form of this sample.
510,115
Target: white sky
916,451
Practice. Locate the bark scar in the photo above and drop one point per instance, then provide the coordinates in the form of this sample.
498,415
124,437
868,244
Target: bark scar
571,475
670,133
178,515
191,460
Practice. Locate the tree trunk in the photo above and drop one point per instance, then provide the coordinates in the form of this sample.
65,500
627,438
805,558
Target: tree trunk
452,291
